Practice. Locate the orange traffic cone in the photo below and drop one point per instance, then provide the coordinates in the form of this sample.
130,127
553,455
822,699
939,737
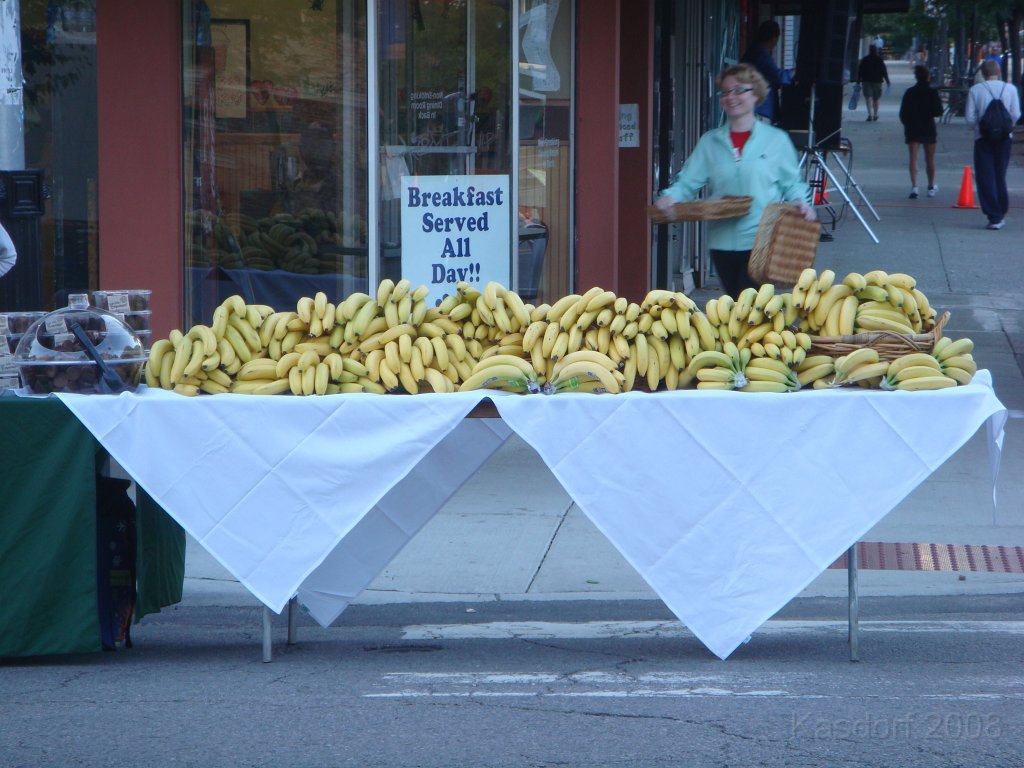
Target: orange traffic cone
966,190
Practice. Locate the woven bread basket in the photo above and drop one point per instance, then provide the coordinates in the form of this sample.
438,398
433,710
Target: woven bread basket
785,245
889,344
729,207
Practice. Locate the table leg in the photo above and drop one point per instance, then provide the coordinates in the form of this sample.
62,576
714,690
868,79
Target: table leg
292,604
266,636
852,598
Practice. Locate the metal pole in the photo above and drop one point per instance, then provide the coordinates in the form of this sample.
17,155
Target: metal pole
267,658
846,197
291,620
12,105
856,186
852,602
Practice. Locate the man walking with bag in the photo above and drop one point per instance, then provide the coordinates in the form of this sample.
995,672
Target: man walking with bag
871,73
993,136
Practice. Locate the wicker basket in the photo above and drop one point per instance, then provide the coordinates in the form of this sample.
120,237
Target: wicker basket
785,245
890,345
729,207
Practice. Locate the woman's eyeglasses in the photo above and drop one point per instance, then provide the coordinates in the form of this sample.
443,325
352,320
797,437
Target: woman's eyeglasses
738,91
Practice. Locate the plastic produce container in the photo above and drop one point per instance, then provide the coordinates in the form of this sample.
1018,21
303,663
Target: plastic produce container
80,349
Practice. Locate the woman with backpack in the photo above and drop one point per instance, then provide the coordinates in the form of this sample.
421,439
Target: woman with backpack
993,135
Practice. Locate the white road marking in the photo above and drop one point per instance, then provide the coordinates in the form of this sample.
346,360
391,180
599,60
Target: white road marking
545,630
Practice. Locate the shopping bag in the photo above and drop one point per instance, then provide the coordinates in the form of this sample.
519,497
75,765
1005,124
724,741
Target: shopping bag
854,97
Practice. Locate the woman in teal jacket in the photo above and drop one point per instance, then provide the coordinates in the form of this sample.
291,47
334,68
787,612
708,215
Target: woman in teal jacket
744,157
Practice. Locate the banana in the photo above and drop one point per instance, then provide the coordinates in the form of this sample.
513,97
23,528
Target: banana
705,332
757,364
152,373
867,322
775,305
911,372
953,349
825,280
867,371
166,365
586,356
959,374
744,303
856,281
849,362
708,358
765,386
765,374
259,368
717,373
515,305
876,277
902,280
205,335
213,387
517,362
492,292
308,359
653,373
189,390
921,383
182,357
437,381
586,370
873,293
235,305
496,377
848,316
400,291
807,276
600,300
384,289
828,298
226,352
456,345
642,354
913,359
561,306
815,372
220,321
304,308
965,361
711,312
763,295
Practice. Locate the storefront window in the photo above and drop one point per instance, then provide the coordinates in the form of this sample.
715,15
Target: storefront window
444,77
545,149
275,108
54,115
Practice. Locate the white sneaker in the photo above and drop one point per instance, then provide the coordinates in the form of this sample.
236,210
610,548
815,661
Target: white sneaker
933,190
996,225
913,193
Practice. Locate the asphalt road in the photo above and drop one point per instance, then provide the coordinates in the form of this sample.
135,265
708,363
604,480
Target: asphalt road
589,683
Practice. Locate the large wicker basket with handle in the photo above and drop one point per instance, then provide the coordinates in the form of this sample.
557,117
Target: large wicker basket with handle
889,344
728,207
785,245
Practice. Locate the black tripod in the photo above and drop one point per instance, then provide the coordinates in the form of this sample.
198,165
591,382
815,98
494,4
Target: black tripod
814,159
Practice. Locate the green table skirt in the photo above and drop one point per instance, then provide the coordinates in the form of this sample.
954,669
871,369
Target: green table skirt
48,597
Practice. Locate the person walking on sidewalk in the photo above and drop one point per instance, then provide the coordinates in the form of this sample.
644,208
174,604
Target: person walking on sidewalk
991,158
920,106
759,55
871,73
744,157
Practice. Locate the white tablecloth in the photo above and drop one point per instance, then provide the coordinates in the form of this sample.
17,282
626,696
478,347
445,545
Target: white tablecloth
727,503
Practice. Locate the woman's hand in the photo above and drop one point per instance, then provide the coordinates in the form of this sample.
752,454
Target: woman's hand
665,203
807,212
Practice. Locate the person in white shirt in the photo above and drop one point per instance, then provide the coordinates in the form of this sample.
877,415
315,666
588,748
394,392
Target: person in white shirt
8,254
991,159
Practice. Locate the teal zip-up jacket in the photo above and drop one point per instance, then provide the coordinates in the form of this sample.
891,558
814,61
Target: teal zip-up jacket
767,171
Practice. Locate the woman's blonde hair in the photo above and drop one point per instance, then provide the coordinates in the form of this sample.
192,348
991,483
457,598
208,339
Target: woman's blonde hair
748,75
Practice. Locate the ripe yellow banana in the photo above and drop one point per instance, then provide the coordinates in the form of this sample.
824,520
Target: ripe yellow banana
923,383
952,349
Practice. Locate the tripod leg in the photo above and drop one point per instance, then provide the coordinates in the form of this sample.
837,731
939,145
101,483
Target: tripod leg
856,187
846,197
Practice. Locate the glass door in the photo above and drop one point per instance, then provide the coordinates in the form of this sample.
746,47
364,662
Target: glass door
443,89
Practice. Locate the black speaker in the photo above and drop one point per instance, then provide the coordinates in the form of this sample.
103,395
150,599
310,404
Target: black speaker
824,33
828,113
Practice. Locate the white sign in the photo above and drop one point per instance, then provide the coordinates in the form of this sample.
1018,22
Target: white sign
629,125
455,228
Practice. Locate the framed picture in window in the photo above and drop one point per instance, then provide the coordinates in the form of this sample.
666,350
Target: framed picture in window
230,38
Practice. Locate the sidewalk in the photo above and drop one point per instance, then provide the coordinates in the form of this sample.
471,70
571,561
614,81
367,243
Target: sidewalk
512,533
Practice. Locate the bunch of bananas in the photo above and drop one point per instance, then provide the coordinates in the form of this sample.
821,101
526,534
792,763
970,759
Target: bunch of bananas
596,342
873,301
